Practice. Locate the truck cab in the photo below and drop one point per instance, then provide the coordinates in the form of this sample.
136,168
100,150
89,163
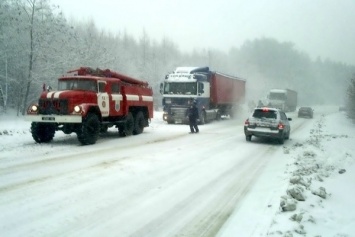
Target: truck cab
217,94
179,88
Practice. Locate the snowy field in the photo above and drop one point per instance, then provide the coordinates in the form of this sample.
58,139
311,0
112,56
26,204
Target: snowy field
166,182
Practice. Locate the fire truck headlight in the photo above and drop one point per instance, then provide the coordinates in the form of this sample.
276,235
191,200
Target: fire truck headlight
77,109
34,108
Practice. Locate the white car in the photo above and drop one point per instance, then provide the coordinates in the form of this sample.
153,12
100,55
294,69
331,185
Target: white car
267,122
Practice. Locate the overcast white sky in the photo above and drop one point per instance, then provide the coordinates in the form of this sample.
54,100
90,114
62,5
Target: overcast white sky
322,28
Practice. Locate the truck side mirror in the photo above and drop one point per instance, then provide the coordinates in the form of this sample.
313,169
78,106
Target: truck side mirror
161,88
201,88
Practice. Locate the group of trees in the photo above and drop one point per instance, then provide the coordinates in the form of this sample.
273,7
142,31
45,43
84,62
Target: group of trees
350,103
37,44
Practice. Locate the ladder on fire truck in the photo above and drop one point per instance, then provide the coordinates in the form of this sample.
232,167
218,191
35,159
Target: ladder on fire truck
84,71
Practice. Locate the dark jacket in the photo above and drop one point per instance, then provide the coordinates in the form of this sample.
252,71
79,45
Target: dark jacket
192,113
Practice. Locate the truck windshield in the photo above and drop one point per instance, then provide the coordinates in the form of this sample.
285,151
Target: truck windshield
180,88
76,84
277,96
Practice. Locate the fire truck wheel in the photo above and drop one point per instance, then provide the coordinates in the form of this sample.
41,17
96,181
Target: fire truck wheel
138,123
42,132
103,128
128,127
90,130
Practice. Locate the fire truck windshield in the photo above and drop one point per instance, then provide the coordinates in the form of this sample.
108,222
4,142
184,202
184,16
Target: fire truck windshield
180,88
77,84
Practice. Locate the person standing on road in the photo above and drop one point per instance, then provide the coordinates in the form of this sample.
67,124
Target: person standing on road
192,114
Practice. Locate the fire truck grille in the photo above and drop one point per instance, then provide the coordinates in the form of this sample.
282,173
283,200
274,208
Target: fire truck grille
53,106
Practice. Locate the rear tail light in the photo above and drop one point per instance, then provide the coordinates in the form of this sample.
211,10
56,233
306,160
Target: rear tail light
246,123
281,126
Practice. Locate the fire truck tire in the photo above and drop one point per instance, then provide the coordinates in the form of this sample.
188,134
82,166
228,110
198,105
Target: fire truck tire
42,132
90,129
128,127
138,123
103,128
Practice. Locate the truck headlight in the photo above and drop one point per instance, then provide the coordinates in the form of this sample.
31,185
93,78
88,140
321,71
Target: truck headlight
77,109
34,108
165,116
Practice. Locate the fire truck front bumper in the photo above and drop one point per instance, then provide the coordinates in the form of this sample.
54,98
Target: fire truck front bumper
54,118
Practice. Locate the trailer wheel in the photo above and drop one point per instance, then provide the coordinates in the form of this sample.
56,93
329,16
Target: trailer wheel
90,129
128,127
42,132
139,123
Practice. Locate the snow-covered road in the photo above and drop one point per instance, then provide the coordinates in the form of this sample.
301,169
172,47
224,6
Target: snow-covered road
164,182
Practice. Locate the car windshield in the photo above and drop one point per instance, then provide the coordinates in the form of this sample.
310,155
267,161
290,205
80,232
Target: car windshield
265,114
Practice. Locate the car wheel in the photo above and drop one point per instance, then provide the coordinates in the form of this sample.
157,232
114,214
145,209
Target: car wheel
282,139
248,138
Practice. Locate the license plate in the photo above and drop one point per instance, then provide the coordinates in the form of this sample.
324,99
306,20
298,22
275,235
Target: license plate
48,118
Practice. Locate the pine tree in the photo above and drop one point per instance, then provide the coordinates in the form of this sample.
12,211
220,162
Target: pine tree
350,105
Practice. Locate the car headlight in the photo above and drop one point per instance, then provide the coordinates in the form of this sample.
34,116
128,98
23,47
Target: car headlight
77,109
34,108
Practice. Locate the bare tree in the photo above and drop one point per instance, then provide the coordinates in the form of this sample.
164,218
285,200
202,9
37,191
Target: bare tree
40,24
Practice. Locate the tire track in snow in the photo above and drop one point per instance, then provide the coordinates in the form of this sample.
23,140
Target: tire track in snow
214,209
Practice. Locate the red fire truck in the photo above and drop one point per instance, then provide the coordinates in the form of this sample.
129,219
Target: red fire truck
89,101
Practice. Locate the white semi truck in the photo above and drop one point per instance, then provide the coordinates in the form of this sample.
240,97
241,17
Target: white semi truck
284,99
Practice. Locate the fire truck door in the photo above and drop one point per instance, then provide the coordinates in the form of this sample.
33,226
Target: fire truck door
103,100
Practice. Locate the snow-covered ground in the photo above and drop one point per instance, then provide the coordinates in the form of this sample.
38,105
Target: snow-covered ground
166,182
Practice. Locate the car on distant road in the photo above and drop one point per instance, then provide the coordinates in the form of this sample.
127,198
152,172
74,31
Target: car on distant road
305,112
269,123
